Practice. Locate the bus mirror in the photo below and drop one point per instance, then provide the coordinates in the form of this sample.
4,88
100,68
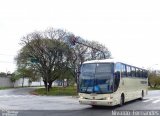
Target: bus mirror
117,74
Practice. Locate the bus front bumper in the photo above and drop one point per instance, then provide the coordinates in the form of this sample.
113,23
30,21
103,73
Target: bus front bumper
97,102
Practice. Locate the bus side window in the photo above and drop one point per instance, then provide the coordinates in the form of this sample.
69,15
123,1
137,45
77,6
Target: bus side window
137,73
117,75
145,73
117,70
123,70
128,71
141,73
133,72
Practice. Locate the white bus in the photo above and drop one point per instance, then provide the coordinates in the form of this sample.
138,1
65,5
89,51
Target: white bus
109,82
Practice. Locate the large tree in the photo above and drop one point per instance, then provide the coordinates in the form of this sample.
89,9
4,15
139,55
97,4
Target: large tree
46,53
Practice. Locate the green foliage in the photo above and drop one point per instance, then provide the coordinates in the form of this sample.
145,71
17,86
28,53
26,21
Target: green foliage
27,73
33,60
154,80
3,74
14,78
154,88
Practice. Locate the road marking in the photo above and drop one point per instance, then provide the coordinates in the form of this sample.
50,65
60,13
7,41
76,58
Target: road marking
7,96
158,100
154,100
147,100
4,108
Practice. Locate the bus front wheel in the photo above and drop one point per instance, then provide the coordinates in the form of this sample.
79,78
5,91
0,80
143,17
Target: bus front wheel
121,100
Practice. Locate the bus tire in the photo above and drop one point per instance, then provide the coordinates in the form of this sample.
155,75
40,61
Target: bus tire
142,95
122,100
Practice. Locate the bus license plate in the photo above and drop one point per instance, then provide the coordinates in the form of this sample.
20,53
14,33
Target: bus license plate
93,102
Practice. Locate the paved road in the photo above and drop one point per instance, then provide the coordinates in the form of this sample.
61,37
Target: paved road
17,91
21,102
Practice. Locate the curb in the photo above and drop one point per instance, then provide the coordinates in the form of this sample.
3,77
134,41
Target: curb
33,93
75,96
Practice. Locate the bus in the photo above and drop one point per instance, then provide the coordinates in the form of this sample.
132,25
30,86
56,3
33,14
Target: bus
110,82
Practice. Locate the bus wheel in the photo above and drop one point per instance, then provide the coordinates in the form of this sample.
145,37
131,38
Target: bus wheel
121,100
142,95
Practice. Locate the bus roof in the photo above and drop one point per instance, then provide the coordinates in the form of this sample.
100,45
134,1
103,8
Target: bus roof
102,61
110,61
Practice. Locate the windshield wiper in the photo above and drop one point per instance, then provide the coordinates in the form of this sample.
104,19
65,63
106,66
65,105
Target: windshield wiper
96,84
88,86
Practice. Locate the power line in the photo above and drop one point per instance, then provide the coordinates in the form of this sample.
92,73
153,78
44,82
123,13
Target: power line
7,62
7,55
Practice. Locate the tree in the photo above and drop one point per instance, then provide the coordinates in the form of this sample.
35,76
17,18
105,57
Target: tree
27,72
98,51
3,74
49,52
14,78
153,79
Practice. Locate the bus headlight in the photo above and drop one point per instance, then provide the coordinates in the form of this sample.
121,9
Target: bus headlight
81,97
109,98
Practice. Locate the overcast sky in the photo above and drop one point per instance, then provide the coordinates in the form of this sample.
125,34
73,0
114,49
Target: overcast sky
130,29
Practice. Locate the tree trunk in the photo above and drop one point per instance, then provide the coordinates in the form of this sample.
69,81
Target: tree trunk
62,82
45,84
13,84
23,82
149,84
50,85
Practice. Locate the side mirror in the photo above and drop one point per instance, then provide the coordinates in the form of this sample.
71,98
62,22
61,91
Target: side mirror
117,74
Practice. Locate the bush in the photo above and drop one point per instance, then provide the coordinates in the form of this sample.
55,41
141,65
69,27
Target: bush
154,80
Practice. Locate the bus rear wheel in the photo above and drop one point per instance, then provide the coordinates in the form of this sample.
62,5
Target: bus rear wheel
142,95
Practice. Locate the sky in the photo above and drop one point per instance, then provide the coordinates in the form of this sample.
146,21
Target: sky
130,29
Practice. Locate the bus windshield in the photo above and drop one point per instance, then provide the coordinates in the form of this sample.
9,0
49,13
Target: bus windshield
97,78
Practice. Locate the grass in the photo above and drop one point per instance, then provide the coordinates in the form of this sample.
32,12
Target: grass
3,88
156,88
57,91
